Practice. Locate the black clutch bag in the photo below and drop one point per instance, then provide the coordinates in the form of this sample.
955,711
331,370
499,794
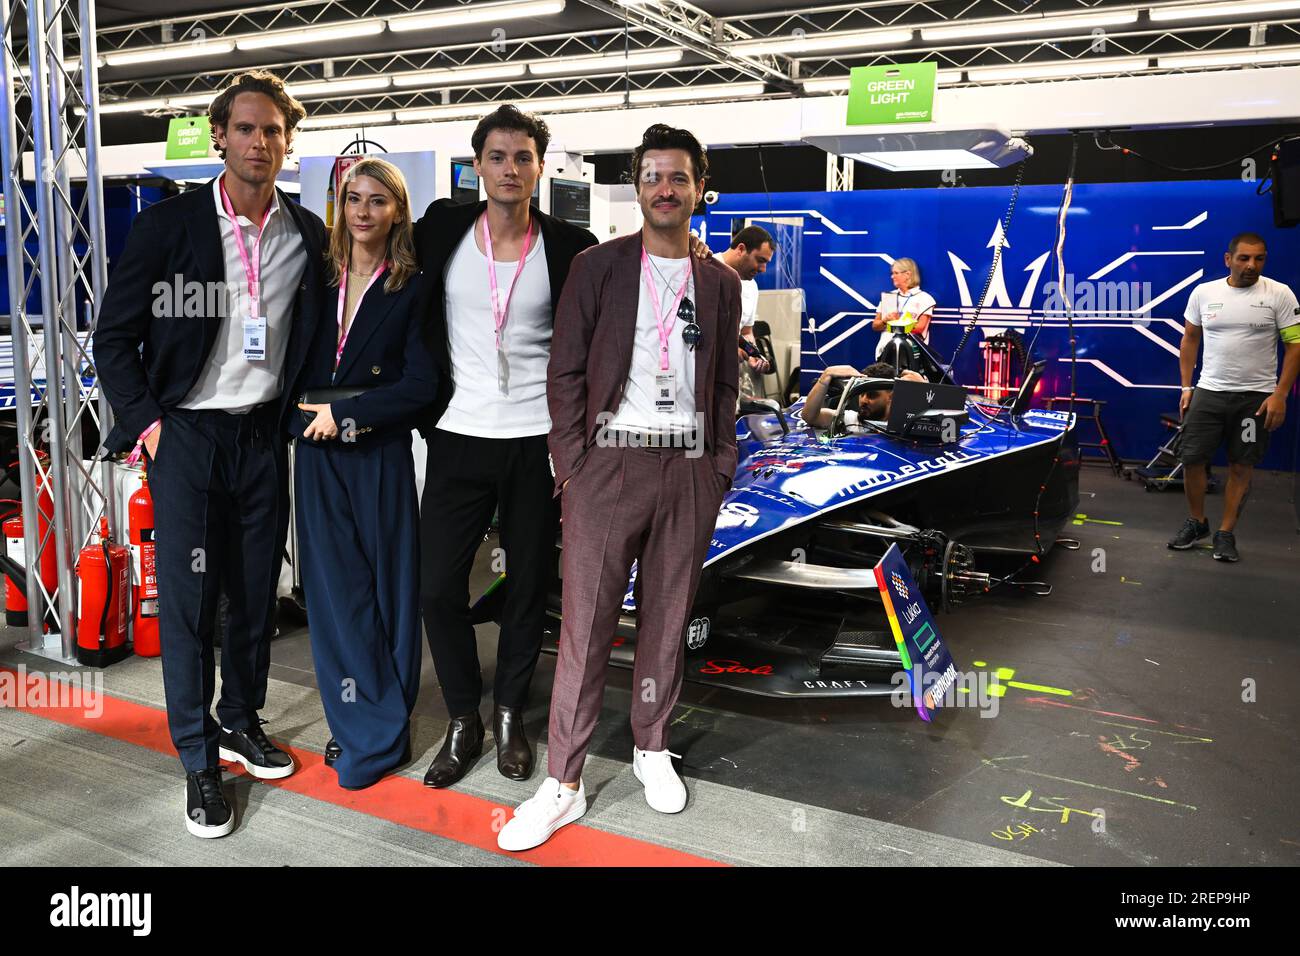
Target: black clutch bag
328,396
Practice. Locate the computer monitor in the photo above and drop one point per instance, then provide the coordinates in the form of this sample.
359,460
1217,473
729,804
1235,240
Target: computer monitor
918,409
571,201
464,182
1026,394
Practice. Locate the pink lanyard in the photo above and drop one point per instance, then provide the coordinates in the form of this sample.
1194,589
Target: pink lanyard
499,309
664,330
253,266
343,298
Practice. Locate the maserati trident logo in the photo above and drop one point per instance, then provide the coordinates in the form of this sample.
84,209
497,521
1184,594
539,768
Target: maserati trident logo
929,396
899,586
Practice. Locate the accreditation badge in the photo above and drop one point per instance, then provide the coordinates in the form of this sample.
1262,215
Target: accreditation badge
666,392
255,338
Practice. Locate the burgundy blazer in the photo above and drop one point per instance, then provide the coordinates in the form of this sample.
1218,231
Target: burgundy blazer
591,352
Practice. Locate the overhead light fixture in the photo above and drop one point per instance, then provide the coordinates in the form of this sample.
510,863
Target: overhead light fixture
347,119
606,63
819,42
168,51
460,74
840,84
158,103
305,35
360,84
1262,55
557,104
1204,11
1023,26
478,13
1070,68
719,91
904,148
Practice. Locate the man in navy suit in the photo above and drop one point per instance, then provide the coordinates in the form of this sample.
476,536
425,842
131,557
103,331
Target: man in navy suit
202,329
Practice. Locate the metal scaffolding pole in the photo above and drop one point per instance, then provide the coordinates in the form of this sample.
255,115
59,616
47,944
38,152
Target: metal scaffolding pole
58,407
22,268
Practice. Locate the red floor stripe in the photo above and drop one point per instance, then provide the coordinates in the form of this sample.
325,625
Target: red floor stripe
455,816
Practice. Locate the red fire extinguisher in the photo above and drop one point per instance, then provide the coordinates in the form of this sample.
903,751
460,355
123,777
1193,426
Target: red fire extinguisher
144,571
16,549
103,599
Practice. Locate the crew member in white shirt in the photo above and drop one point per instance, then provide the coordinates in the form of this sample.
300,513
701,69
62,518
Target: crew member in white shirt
1239,398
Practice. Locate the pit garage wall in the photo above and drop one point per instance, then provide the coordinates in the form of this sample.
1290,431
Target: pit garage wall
1170,235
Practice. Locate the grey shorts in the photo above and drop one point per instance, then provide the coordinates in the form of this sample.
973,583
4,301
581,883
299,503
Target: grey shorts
1218,418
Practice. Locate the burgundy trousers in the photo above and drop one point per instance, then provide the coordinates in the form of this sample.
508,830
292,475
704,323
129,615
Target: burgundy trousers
657,506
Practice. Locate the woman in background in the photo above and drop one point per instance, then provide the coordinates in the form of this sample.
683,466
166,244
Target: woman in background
367,374
907,302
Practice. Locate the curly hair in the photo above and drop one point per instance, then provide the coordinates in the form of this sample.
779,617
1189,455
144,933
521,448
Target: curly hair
255,81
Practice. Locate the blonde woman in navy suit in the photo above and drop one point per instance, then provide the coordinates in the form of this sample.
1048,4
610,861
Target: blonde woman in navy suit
368,373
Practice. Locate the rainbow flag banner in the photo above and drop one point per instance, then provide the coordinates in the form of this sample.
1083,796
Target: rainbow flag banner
931,672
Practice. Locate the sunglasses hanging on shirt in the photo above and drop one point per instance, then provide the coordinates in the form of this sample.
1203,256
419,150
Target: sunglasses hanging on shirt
691,332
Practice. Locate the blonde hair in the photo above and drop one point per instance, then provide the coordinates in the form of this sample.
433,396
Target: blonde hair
402,264
911,266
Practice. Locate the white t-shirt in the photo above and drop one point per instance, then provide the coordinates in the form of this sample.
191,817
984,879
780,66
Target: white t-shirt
748,303
479,405
913,302
1240,328
637,413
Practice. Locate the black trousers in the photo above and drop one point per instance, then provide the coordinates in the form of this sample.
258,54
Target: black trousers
221,507
466,479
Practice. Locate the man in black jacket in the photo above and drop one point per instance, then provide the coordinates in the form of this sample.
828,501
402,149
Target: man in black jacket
201,334
494,271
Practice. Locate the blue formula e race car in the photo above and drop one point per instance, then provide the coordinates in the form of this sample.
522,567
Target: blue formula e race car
788,604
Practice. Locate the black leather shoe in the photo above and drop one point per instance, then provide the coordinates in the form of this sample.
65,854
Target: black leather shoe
514,755
332,752
260,757
464,742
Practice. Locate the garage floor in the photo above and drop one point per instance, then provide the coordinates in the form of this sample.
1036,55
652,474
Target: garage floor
1162,731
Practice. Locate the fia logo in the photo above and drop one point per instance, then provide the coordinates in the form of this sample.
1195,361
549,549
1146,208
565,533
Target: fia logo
697,635
899,586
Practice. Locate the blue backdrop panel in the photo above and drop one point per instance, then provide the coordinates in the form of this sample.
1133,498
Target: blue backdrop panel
1133,251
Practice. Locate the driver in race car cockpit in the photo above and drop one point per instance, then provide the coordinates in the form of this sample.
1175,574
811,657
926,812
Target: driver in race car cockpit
872,405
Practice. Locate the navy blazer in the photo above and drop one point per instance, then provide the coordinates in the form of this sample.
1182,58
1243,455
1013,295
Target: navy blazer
385,348
147,364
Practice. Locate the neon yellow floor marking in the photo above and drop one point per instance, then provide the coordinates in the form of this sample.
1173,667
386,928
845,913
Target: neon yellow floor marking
1097,786
1040,687
1005,673
997,690
979,664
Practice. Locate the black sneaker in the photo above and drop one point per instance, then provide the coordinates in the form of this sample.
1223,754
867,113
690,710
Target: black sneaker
260,757
207,814
1191,532
332,752
1225,546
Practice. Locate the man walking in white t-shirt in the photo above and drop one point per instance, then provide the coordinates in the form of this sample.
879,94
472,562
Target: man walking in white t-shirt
1239,398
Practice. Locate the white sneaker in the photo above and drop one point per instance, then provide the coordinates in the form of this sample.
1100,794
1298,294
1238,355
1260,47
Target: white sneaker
537,818
664,790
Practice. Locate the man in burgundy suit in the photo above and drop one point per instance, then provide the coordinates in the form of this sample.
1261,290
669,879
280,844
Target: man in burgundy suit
641,388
